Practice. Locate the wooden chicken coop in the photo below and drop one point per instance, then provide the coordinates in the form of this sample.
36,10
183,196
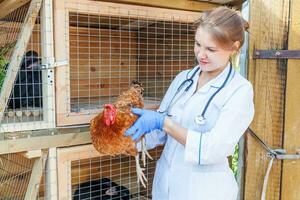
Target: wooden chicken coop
62,60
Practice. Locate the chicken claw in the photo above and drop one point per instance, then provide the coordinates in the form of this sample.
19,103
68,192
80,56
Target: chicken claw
139,171
144,151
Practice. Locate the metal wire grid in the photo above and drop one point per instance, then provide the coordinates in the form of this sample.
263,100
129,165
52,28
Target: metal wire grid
15,174
15,171
25,109
107,52
109,177
25,103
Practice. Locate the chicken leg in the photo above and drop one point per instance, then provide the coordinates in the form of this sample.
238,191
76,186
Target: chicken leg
144,151
139,171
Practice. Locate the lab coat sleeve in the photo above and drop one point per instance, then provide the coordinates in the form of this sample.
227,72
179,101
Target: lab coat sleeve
214,146
153,139
158,137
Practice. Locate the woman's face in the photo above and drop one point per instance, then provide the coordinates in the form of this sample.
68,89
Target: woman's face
211,56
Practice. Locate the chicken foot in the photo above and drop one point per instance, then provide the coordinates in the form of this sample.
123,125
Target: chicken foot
144,151
139,171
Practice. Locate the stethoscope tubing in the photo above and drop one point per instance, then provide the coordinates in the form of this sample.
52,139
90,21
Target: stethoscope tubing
189,86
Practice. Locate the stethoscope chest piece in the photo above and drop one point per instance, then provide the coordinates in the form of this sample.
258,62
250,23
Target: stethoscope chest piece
200,120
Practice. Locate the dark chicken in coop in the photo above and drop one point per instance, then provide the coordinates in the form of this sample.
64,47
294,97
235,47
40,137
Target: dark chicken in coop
27,91
103,189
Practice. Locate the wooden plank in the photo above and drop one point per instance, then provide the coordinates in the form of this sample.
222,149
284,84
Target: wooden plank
131,11
174,4
33,154
44,142
291,168
51,175
268,28
35,178
61,23
18,53
47,52
8,6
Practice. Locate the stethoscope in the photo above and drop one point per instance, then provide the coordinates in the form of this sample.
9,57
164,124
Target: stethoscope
200,119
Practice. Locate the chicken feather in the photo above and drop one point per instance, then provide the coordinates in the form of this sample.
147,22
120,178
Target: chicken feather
107,133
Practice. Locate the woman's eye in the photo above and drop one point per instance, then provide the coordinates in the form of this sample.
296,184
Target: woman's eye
211,50
197,44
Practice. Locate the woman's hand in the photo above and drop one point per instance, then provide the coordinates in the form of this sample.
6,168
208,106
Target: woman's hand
148,121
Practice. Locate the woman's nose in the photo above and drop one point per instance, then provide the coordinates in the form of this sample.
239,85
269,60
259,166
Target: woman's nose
201,54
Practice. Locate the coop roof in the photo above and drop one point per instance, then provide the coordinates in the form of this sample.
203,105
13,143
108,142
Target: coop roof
7,6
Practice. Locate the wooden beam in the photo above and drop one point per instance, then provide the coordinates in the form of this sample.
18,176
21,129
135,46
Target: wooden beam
216,1
18,53
35,178
51,175
47,58
173,4
8,6
291,168
268,30
64,158
33,154
44,142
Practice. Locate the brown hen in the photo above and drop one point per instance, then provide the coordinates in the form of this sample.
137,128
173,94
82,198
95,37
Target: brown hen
108,127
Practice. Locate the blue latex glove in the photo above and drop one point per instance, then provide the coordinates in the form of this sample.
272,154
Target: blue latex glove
148,121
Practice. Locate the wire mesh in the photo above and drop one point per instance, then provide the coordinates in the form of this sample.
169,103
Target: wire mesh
109,177
25,104
107,52
15,171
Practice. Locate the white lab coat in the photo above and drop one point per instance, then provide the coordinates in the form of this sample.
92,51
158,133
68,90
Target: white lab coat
200,170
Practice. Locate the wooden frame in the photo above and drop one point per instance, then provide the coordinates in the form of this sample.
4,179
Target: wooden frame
67,169
64,158
62,8
18,53
46,34
290,168
36,176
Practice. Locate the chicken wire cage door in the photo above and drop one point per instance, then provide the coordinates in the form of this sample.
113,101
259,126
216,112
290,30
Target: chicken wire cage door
30,105
83,173
107,45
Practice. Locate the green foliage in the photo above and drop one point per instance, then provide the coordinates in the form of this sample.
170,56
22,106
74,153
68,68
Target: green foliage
3,61
234,161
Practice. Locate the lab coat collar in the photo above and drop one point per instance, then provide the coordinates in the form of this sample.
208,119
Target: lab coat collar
219,80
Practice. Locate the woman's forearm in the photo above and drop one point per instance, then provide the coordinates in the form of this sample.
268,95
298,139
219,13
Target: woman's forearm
175,130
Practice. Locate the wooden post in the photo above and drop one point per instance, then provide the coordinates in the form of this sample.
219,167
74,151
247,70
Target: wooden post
51,175
291,168
35,178
268,30
18,53
48,60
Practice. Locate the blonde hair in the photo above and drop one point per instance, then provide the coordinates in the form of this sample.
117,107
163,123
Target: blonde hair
225,25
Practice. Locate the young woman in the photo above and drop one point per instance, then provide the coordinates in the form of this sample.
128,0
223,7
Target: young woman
202,116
